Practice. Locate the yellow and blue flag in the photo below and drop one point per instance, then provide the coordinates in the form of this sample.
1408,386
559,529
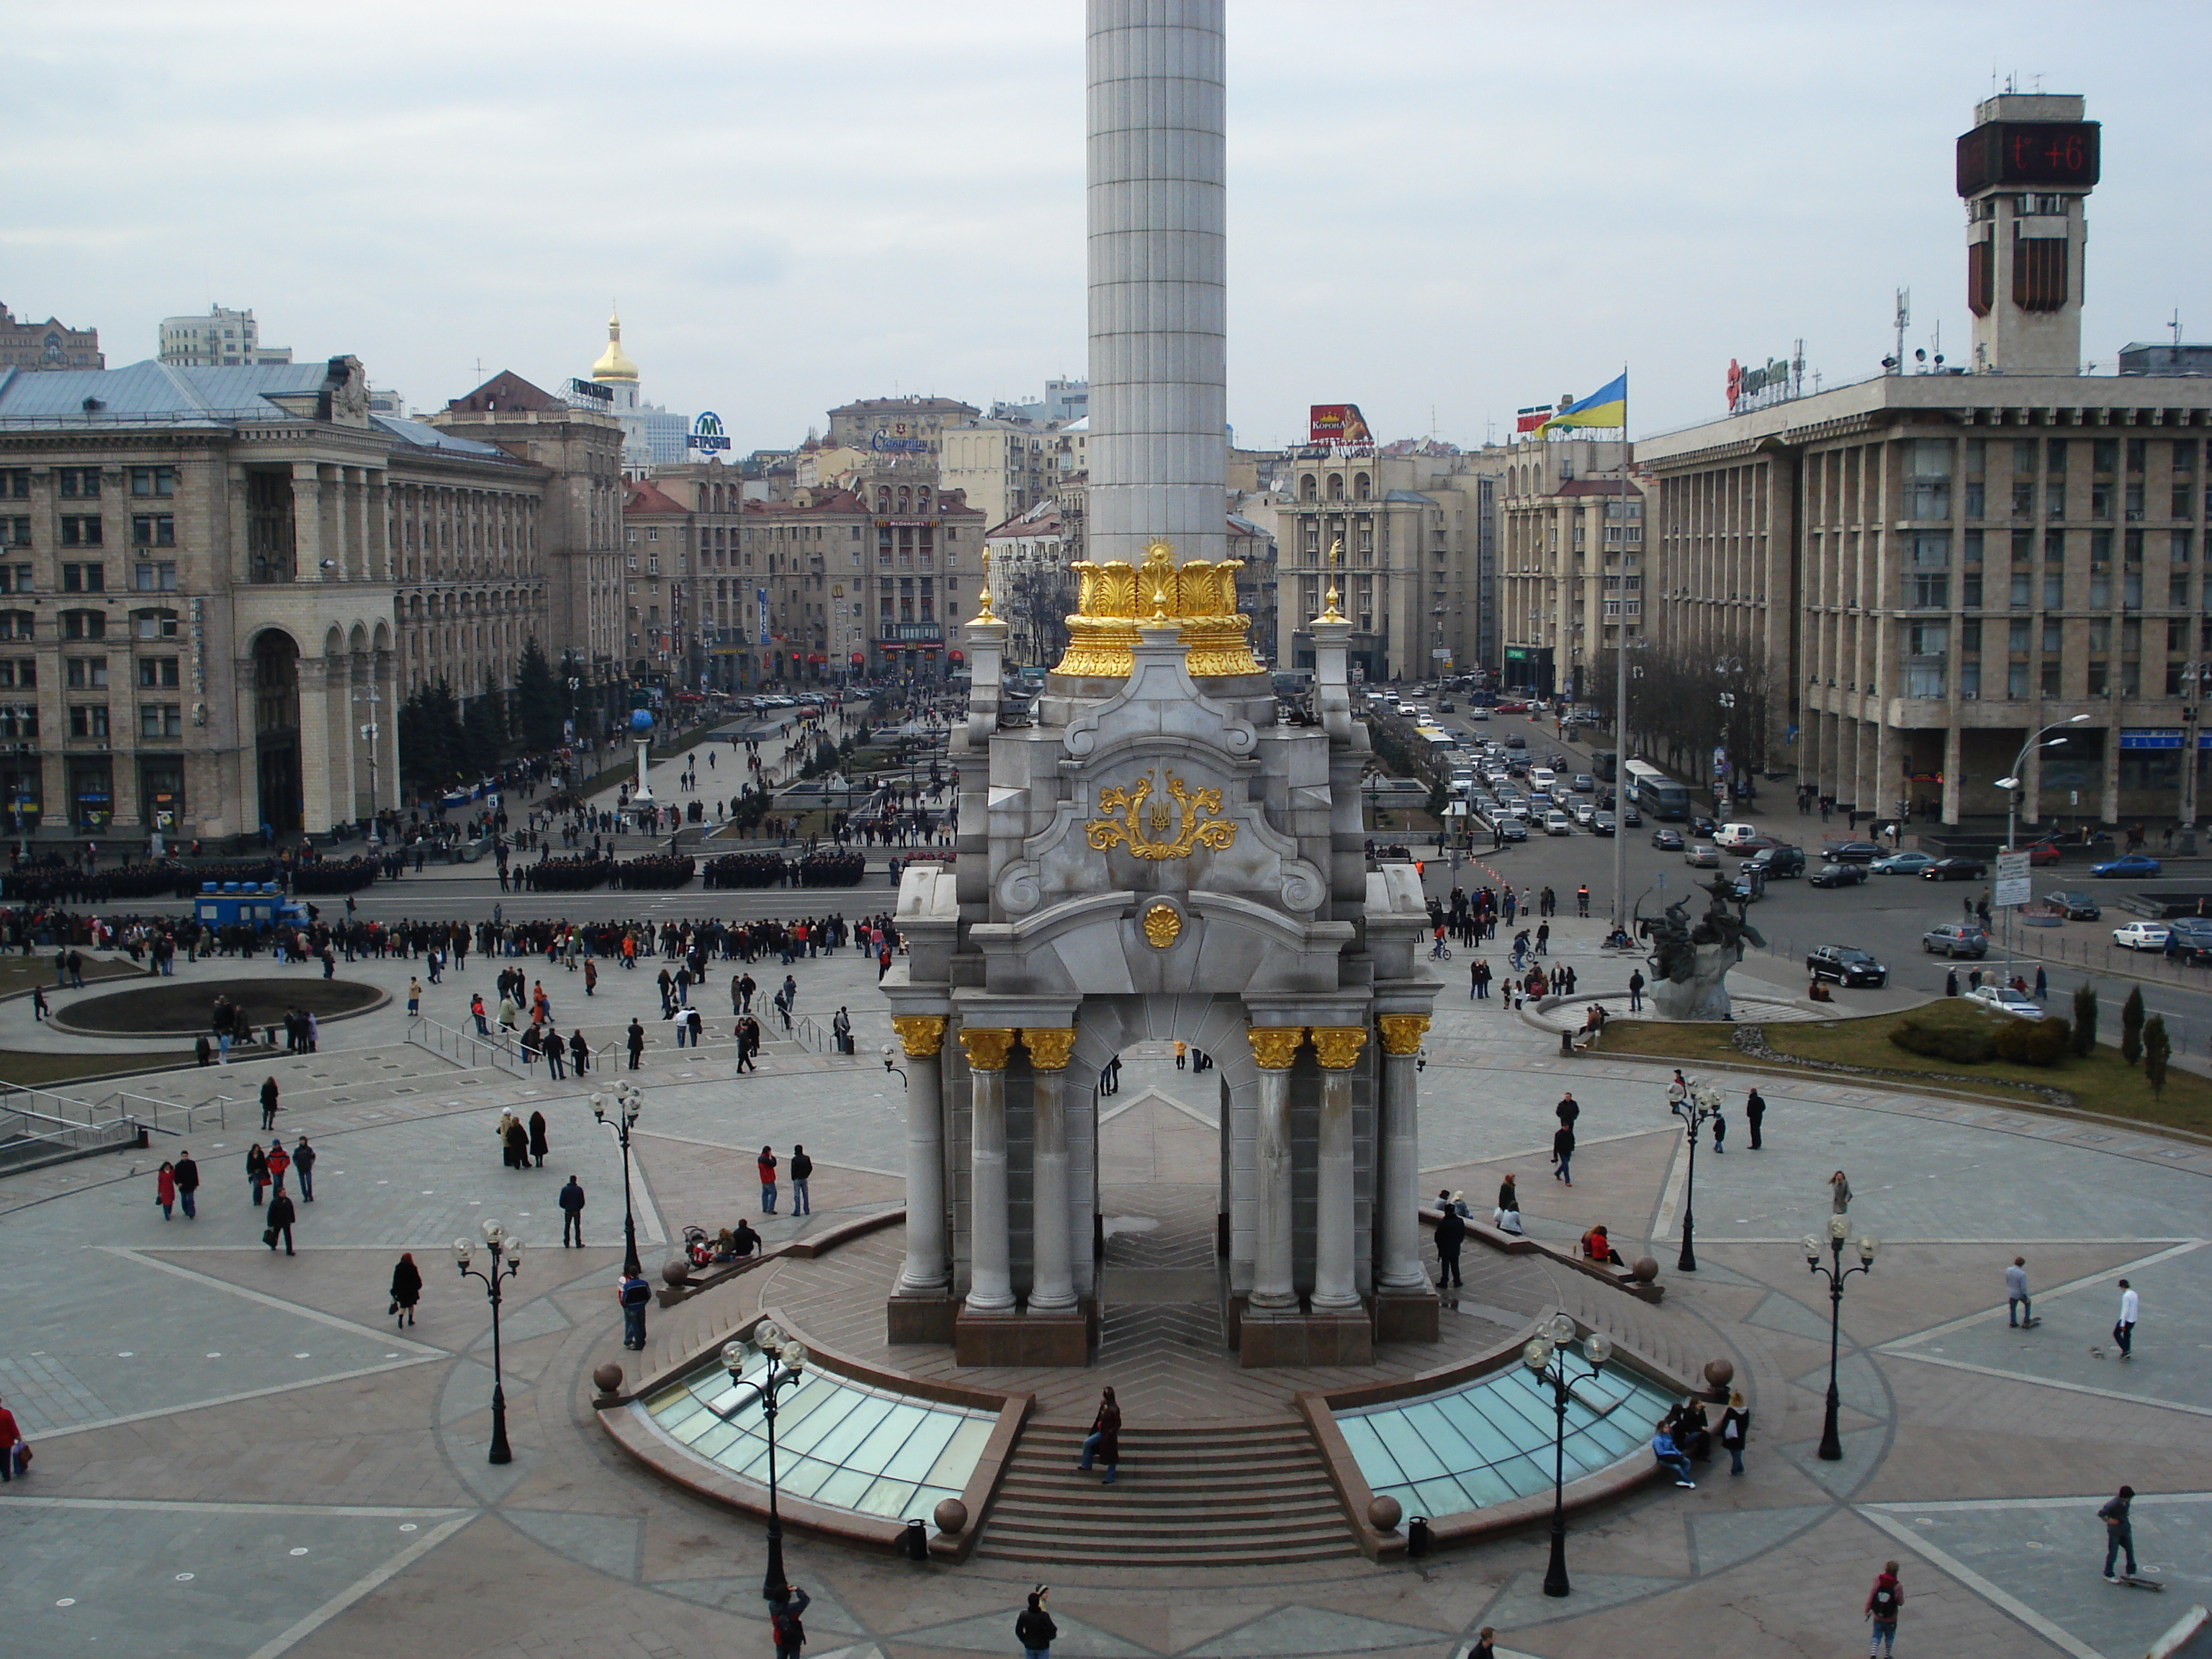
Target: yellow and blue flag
1608,406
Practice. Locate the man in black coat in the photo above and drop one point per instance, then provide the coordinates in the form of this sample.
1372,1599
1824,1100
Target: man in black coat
187,1174
1451,1231
282,1215
1754,1113
571,1212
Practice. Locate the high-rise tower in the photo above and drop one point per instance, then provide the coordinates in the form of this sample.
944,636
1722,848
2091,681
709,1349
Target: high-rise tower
2027,170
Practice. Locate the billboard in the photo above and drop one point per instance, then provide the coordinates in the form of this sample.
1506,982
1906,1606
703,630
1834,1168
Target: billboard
1339,425
707,434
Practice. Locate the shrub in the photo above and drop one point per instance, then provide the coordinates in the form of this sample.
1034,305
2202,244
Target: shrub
2131,1026
2034,1042
2085,1020
1962,1045
2156,1046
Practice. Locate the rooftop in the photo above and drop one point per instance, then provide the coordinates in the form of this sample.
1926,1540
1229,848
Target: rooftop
156,393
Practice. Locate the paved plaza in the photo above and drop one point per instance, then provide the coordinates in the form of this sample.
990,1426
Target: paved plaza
239,1454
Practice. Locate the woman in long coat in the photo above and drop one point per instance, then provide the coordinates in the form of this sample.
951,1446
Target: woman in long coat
256,1170
406,1289
1105,1440
538,1146
518,1144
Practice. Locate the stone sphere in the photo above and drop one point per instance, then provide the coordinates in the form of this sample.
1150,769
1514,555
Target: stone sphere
1719,1373
1383,1513
951,1516
609,1377
641,720
1645,1270
677,1273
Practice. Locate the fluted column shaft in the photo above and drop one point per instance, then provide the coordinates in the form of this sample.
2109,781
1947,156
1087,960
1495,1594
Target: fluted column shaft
1274,1284
1335,1288
1052,1288
990,1280
1398,1183
928,1270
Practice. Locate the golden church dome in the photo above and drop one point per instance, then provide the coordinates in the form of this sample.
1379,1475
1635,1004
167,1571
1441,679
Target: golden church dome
613,364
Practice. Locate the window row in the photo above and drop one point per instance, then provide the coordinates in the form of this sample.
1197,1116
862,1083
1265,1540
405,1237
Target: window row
83,483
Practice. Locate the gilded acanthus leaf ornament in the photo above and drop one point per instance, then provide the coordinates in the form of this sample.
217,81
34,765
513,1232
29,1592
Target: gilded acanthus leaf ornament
985,1047
1155,832
1048,1048
1275,1047
1402,1033
1338,1046
922,1035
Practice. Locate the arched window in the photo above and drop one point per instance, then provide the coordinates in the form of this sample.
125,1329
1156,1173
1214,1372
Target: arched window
1336,486
906,499
1308,490
1359,486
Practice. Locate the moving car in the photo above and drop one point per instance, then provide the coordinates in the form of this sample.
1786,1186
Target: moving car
2127,864
1517,741
2074,907
1744,845
1581,812
1583,784
1558,823
1846,965
1446,706
1666,839
1701,857
1730,834
1838,875
1953,870
1631,817
1603,823
2041,852
1703,827
1775,862
2003,1000
1956,939
2142,936
1852,852
1902,863
1512,829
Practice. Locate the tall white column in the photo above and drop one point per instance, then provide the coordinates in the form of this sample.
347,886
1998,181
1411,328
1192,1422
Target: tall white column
1052,1288
1335,1290
928,1270
1158,449
1397,1186
991,1279
1273,1284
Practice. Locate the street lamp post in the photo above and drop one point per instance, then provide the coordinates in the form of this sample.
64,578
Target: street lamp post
1699,1106
2011,785
1839,1227
370,731
1547,1355
506,1262
786,1365
2192,691
629,1101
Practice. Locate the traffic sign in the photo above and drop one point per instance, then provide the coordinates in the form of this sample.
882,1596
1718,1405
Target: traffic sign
2012,882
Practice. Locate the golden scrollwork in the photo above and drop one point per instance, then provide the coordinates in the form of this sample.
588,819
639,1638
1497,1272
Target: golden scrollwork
1156,834
1275,1047
922,1035
985,1047
1163,924
1339,1046
1048,1050
1402,1033
1200,597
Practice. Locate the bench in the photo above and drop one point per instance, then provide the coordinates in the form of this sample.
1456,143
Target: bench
1575,1043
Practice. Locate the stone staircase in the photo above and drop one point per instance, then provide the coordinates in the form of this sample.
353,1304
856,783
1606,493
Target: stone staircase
1233,1495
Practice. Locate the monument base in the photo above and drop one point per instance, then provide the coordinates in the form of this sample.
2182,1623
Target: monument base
921,1318
1025,1339
1266,1337
1405,1316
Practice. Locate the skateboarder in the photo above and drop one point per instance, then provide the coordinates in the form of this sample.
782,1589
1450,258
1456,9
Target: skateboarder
2119,1532
2016,1301
2123,1328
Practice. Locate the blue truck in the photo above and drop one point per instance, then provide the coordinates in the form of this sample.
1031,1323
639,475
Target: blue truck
253,904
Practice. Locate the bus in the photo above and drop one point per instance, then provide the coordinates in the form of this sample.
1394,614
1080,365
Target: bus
1655,793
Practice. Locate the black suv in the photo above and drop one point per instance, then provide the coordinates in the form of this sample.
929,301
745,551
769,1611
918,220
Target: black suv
1846,966
1777,862
2189,937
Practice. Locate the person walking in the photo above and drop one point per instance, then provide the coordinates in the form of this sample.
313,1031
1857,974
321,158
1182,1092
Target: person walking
802,1171
518,1144
1562,1153
165,1189
637,1044
1883,1603
572,1214
2123,1328
1451,1233
1103,1442
580,1051
14,1454
257,1170
406,1289
282,1215
766,1164
1720,1132
1033,1626
1636,991
268,1106
187,1175
1755,1114
1569,1111
538,1148
633,1293
1735,1430
2119,1532
1840,1193
2017,1306
280,1164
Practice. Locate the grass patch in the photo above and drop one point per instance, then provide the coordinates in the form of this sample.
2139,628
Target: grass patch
34,1071
21,972
2100,1083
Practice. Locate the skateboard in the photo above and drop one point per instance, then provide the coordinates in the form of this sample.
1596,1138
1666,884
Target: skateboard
2137,1580
2027,1324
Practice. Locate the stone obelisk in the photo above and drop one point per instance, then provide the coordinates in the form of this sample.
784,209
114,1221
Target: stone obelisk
1159,448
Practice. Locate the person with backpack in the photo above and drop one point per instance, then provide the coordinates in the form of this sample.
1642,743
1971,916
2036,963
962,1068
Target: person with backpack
634,1293
1033,1627
1883,1603
802,1171
784,1621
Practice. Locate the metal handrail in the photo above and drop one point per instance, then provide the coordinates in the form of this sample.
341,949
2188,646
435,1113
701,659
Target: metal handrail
126,1105
464,1049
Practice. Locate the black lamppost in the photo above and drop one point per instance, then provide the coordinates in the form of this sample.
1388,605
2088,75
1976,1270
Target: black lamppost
629,1101
1548,1355
506,1262
1699,1106
1839,1227
786,1362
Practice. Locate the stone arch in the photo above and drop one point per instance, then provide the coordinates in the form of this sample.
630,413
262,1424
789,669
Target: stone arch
274,660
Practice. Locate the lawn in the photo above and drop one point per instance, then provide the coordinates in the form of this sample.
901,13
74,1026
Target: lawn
37,1071
2100,1083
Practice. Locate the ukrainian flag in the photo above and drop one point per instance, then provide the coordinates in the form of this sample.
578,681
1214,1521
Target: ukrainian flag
1608,406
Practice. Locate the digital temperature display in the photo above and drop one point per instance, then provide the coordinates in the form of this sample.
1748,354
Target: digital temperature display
2028,153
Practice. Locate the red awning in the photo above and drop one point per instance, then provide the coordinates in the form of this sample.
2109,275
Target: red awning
860,656
955,656
814,656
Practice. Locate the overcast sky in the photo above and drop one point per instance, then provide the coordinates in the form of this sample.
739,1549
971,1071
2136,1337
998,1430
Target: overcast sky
1439,211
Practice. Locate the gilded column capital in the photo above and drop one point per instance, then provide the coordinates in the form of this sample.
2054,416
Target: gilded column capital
985,1047
1339,1046
1048,1050
923,1035
1402,1033
1275,1047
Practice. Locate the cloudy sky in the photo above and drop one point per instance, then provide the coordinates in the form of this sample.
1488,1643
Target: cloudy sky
1440,212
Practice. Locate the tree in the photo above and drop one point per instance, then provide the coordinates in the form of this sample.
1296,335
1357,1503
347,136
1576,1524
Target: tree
2085,1020
538,699
1034,600
2155,1047
2131,1027
484,730
431,740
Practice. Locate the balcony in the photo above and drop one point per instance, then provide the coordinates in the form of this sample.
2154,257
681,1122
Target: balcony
927,633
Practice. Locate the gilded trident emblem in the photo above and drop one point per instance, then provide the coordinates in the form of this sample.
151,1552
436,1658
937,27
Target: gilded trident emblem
1152,833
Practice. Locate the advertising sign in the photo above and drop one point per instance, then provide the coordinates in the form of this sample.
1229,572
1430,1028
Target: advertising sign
1747,385
2012,882
1338,425
707,434
760,599
885,443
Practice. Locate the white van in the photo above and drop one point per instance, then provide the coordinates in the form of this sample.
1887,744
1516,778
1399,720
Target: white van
1728,835
1542,777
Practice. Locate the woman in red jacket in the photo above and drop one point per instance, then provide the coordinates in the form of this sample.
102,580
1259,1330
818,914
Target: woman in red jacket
766,1165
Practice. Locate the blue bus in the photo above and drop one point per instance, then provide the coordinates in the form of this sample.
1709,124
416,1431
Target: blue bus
1655,793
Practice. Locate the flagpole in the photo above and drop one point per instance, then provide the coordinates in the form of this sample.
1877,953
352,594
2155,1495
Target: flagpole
1621,688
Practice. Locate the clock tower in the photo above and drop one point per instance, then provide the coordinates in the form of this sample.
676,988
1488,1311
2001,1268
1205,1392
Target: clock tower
2026,171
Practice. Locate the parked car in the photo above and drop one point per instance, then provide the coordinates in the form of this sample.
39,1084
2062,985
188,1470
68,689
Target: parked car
1846,965
2189,937
1702,828
1744,846
2003,1000
1512,829
1902,863
1666,839
1776,862
1956,939
1603,823
1954,870
2142,936
2074,907
1733,834
1838,875
2127,864
1852,852
1704,857
2041,852
1558,823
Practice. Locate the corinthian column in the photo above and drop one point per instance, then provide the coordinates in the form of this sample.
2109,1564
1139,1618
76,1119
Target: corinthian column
1052,1289
991,1281
928,1270
1397,1194
1334,1288
1273,1284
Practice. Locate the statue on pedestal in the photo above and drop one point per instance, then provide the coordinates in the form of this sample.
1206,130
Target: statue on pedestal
1690,960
